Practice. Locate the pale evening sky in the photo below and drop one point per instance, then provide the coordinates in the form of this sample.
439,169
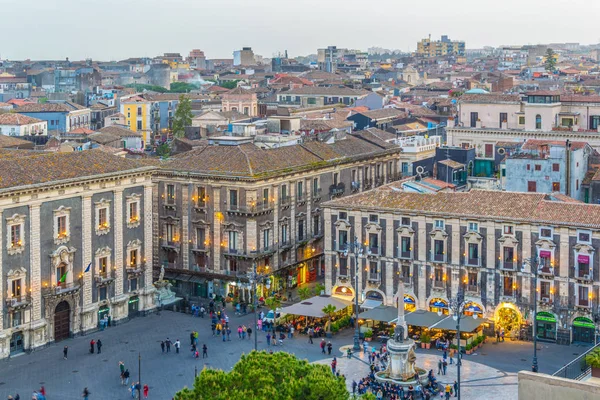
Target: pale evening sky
117,29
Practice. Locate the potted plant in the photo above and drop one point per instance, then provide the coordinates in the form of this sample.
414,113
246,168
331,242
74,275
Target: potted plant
469,348
425,341
368,335
329,310
453,349
593,360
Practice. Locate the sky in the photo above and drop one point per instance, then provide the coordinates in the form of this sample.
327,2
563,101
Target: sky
117,29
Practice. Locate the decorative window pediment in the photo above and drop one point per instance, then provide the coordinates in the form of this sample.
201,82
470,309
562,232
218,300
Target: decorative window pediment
265,225
438,234
473,237
373,227
545,244
233,226
583,248
16,273
405,231
342,224
200,222
103,252
507,240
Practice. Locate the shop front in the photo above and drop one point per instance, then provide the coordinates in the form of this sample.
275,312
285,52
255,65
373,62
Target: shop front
410,304
17,343
545,326
438,305
507,317
583,330
133,306
343,292
372,299
473,308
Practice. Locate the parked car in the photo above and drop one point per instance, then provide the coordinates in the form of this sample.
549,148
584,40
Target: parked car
270,316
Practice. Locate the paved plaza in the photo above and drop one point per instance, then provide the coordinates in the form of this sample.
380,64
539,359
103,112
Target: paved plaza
491,370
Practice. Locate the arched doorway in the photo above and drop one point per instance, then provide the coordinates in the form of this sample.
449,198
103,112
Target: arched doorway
344,292
508,317
583,330
16,343
473,308
439,305
62,321
410,303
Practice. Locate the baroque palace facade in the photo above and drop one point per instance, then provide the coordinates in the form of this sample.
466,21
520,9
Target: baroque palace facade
222,209
76,232
489,244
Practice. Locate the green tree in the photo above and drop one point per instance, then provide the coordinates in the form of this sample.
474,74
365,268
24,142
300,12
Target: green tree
229,84
183,116
163,150
319,287
259,375
329,310
182,87
550,62
304,293
273,303
140,87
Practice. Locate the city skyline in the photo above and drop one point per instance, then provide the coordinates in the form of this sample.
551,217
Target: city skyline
268,29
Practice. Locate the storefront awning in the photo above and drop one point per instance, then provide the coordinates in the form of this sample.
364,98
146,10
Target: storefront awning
370,303
382,314
313,307
467,324
422,318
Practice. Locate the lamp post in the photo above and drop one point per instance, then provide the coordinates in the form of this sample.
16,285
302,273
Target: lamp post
254,278
534,270
457,305
357,250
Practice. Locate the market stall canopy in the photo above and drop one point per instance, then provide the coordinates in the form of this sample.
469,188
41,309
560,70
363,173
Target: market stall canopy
312,307
381,313
422,318
467,324
370,303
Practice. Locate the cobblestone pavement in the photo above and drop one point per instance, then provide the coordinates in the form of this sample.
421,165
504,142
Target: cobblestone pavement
167,373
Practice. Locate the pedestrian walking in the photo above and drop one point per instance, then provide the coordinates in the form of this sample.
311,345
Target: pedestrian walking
291,331
126,376
162,345
322,346
310,335
240,332
204,351
349,352
439,371
192,338
502,335
146,390
447,391
329,347
229,334
333,365
224,334
244,330
268,339
92,344
177,345
497,335
122,371
354,385
455,385
65,352
168,344
85,394
99,346
444,366
249,330
133,390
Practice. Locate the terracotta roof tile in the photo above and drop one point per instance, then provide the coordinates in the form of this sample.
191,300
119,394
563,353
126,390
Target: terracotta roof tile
17,119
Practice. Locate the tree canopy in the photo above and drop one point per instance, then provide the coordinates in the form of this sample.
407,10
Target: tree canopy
182,87
183,116
229,84
550,62
260,375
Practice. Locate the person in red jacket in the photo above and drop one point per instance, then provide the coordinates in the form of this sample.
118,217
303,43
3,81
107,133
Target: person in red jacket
146,390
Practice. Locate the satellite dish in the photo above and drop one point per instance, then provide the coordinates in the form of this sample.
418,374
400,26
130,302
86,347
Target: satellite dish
420,169
501,151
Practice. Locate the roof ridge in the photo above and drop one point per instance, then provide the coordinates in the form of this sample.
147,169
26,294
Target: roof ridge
247,159
312,152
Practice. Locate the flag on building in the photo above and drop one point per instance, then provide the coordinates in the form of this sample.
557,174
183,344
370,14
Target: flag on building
88,267
62,279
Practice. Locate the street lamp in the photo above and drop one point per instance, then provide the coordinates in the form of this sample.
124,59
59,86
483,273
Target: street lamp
457,305
254,278
357,250
535,269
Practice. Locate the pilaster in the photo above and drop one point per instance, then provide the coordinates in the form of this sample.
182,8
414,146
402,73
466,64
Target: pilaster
185,225
327,244
154,201
118,194
86,250
218,221
563,262
35,260
148,237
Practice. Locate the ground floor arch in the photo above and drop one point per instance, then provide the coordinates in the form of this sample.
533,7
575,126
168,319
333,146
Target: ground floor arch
62,321
584,329
473,308
508,317
343,292
439,305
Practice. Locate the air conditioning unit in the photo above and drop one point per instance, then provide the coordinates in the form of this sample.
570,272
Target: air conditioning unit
545,300
586,277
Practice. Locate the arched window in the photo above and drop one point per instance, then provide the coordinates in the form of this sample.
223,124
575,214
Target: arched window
538,121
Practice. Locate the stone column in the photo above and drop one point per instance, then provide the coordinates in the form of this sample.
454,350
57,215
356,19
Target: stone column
118,194
276,239
86,250
526,254
217,223
326,248
389,252
185,226
148,301
35,260
155,204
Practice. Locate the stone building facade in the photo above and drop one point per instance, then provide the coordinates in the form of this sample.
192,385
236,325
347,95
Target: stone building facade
76,232
482,242
221,209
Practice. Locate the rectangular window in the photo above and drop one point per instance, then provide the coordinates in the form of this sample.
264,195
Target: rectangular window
583,294
139,125
584,237
233,240
508,230
508,254
438,250
508,286
170,233
473,227
133,258
16,288
503,118
405,221
315,187
556,186
342,239
555,167
439,224
103,266
335,178
133,284
373,218
545,290
473,254
170,194
521,120
266,238
102,293
139,111
373,270
301,235
405,247
489,150
374,243
472,281
474,118
62,226
201,200
538,167
103,217
233,199
438,277
546,233
343,215
528,167
531,186
299,190
284,194
15,235
343,266
316,225
133,212
200,238
265,198
583,265
284,233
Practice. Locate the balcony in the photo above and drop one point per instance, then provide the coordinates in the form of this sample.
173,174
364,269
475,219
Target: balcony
379,181
473,262
64,289
201,249
367,184
344,273
336,192
583,274
170,204
104,279
285,244
472,288
439,284
507,265
406,278
373,251
405,255
354,187
437,257
545,271
255,208
135,270
285,201
301,198
317,234
316,194
545,299
374,277
18,303
583,303
172,245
